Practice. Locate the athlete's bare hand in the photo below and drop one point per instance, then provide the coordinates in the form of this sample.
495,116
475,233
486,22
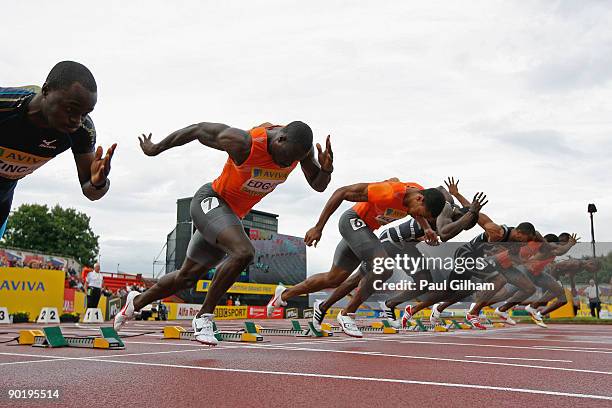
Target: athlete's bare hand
100,166
326,158
431,237
452,186
148,147
313,236
479,201
573,239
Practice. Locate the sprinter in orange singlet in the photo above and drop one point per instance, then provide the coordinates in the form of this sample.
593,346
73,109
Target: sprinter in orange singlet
259,160
376,204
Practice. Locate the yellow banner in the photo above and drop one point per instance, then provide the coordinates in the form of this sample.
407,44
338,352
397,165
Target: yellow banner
241,288
29,290
230,312
80,304
221,312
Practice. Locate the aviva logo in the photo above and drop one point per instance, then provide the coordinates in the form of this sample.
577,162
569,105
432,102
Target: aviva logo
269,174
23,286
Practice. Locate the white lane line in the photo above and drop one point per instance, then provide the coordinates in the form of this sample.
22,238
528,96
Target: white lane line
355,378
581,348
519,358
452,360
551,348
195,347
537,339
61,358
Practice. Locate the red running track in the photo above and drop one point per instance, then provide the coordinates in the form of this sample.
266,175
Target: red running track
563,366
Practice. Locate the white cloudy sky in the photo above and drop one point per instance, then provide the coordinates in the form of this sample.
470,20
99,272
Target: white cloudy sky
514,98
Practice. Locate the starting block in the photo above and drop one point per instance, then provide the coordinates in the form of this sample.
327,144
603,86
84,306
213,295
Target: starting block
375,327
418,325
461,326
295,330
180,333
488,323
53,337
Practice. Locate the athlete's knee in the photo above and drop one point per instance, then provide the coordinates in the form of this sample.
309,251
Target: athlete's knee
186,277
333,281
529,290
244,255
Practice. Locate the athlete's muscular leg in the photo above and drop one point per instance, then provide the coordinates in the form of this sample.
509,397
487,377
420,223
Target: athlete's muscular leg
320,281
407,295
169,284
526,289
234,241
366,288
553,290
483,297
505,293
433,297
342,290
453,298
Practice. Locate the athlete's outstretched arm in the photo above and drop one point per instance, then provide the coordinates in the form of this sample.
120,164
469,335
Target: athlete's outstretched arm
318,174
453,188
355,193
236,142
93,170
563,249
447,228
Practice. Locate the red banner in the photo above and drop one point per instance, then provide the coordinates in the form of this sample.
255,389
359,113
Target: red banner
259,312
68,300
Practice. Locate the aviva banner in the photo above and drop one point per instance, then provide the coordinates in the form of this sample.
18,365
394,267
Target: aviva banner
29,290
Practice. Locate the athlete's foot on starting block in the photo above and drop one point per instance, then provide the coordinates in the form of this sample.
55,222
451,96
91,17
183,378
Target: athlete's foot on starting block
505,316
407,316
203,329
390,315
127,312
276,300
475,321
435,315
348,325
536,316
317,315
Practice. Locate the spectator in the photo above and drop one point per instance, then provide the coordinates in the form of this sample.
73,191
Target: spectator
237,302
591,293
229,302
94,286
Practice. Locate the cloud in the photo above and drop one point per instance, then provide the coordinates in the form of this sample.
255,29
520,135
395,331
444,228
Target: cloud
419,91
544,142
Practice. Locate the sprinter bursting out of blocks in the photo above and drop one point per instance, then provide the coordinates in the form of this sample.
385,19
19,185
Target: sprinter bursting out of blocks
37,124
376,204
259,160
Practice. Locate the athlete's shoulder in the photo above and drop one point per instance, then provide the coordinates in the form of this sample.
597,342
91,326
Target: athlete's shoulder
19,91
12,98
414,185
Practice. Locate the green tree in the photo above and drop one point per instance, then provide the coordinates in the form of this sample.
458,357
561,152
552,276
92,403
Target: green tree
62,231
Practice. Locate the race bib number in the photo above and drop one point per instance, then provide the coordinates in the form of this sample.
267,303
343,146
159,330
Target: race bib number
357,223
209,203
264,181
